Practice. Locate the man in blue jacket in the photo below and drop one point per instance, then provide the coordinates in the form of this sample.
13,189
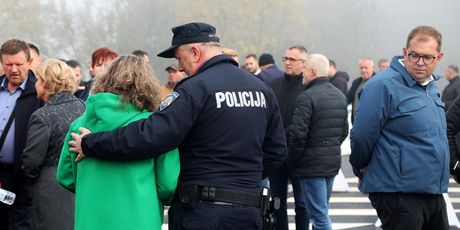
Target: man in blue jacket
398,141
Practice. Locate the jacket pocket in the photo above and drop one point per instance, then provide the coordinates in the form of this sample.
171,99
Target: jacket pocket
411,106
411,116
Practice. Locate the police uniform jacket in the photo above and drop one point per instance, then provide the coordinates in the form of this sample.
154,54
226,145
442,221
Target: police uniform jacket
225,121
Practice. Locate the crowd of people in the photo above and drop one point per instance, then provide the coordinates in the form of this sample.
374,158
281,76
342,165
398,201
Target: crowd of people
109,153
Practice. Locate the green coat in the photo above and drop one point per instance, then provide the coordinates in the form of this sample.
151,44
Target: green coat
116,195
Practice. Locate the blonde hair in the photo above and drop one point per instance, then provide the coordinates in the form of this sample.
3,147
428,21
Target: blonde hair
131,78
229,52
57,76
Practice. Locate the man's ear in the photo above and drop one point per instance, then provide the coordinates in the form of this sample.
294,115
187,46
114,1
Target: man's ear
196,53
404,51
440,55
313,73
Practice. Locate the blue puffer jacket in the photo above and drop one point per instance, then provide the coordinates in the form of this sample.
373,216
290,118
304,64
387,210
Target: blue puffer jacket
399,134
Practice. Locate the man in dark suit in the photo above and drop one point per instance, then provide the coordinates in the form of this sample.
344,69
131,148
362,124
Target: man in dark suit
18,100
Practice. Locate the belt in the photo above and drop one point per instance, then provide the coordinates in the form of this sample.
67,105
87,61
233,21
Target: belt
6,167
194,193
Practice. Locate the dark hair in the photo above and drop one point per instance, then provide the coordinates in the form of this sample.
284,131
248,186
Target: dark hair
453,67
73,64
34,47
140,53
251,56
426,31
266,59
101,55
332,63
14,46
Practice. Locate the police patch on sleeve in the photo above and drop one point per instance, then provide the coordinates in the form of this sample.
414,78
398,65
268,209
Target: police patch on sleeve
168,100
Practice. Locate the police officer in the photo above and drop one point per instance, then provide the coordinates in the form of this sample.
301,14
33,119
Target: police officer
226,124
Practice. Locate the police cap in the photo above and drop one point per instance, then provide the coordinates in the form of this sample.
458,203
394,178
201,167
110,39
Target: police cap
190,33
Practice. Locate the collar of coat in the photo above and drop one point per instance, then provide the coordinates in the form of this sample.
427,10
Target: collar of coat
317,81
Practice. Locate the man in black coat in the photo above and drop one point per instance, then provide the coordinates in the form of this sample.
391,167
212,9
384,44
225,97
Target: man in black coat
18,100
287,89
338,78
452,90
449,96
319,126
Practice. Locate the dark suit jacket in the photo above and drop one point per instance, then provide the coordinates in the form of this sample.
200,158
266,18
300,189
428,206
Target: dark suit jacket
26,104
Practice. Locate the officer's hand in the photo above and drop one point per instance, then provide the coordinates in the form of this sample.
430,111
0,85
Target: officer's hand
361,171
75,143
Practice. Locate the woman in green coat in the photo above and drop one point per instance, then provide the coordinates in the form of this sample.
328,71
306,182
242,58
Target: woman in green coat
119,195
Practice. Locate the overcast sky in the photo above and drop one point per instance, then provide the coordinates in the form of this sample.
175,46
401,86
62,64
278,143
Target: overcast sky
343,30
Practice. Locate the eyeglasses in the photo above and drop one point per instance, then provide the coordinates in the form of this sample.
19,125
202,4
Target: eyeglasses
415,58
288,59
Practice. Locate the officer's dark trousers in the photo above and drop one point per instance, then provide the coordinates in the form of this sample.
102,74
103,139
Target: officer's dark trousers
18,215
278,188
208,215
410,211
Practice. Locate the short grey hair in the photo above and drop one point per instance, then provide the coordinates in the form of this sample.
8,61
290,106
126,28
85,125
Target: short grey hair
320,63
366,59
454,68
